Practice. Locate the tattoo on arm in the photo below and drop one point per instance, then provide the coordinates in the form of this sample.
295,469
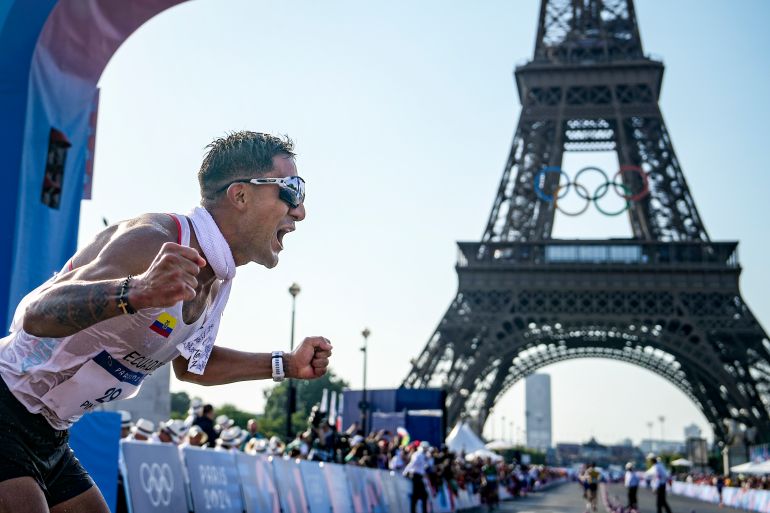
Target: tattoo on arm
77,306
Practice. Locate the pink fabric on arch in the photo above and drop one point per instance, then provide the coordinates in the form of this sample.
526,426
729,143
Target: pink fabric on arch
80,36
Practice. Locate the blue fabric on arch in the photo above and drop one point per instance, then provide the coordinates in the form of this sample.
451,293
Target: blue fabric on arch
20,25
95,438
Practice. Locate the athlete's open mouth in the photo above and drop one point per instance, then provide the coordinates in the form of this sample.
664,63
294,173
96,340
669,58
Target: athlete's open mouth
280,234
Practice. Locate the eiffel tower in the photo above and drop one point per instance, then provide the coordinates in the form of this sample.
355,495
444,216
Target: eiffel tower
666,299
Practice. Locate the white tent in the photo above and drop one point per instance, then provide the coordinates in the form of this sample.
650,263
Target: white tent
463,439
498,445
751,467
681,462
483,454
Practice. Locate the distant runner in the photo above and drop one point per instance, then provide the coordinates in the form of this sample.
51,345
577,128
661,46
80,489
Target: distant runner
590,478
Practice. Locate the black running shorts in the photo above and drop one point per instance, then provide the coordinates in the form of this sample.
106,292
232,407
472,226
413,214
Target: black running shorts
30,447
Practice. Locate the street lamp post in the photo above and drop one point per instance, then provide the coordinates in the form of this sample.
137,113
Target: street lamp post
649,430
662,419
291,398
364,406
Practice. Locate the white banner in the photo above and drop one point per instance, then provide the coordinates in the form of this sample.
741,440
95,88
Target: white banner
748,499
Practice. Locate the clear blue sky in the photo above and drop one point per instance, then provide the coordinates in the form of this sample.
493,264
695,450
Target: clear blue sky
403,114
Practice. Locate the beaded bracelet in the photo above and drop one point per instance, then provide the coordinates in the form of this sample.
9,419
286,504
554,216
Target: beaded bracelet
123,303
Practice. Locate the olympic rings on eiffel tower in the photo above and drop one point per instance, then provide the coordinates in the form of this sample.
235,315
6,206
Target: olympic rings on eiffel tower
561,190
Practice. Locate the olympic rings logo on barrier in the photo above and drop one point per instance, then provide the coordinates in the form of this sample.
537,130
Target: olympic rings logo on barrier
616,185
157,482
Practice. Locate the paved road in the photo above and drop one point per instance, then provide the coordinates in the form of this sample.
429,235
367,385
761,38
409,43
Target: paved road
678,503
567,498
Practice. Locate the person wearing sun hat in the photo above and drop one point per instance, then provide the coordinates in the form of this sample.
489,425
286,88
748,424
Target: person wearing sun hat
274,446
256,446
142,431
172,432
195,437
223,422
230,439
125,423
195,410
632,483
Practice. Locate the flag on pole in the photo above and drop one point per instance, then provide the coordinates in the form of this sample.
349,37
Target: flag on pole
404,434
333,409
340,410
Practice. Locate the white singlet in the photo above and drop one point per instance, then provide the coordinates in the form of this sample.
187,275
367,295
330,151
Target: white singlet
63,378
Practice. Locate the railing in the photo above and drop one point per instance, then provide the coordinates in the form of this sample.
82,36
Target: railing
593,252
750,499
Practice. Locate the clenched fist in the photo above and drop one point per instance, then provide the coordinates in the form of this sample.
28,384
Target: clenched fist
171,277
310,359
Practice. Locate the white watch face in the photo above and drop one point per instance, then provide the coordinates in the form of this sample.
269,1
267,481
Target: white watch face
277,364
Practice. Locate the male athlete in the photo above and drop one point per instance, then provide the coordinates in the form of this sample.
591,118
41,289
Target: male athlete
148,291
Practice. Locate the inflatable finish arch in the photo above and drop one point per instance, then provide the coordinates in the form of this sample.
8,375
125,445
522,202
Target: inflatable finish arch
52,54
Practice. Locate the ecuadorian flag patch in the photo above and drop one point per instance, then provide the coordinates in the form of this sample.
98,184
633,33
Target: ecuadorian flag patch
163,325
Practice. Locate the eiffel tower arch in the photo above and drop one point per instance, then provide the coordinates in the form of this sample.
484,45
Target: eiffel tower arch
667,299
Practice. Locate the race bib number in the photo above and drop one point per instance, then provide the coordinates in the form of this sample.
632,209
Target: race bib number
100,380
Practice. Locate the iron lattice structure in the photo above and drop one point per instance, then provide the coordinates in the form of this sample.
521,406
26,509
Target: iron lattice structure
667,300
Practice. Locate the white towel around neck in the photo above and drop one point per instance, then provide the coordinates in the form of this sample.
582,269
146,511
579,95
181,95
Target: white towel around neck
216,251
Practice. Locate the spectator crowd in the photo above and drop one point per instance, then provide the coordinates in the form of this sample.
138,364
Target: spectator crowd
321,441
756,482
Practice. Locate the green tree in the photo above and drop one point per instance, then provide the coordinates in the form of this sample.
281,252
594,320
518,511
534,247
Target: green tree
240,417
309,393
180,402
535,457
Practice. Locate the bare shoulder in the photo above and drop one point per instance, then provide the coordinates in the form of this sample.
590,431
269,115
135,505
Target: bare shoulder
127,247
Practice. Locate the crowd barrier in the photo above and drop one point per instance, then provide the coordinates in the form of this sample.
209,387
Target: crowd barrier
748,499
163,478
95,440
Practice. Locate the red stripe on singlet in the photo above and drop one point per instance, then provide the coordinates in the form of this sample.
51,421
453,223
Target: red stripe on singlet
178,228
